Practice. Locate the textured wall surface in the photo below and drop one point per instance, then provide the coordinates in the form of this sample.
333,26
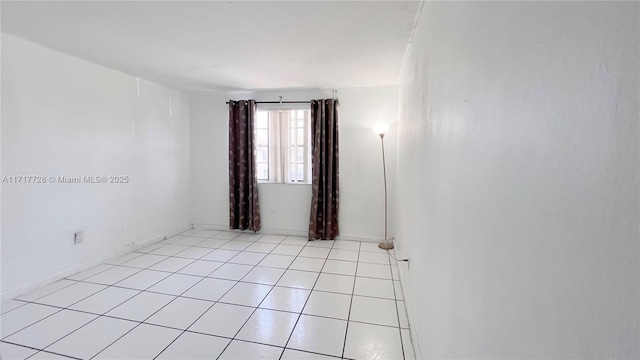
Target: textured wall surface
63,116
518,180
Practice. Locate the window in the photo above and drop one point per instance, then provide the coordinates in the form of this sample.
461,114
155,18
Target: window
283,146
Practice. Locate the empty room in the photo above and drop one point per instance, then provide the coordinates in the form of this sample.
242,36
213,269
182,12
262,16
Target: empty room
320,180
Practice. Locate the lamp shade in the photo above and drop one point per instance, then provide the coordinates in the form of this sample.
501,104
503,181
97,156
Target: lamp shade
381,129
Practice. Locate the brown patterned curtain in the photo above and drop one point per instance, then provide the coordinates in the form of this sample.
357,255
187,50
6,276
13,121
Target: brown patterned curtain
244,210
324,162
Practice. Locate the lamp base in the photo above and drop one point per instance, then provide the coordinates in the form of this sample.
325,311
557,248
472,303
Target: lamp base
385,245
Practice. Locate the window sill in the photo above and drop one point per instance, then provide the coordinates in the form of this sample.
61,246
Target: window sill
281,183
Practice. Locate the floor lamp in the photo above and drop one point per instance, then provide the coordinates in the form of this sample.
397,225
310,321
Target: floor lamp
381,130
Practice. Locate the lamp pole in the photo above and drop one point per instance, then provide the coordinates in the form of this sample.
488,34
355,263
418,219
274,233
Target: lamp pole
384,245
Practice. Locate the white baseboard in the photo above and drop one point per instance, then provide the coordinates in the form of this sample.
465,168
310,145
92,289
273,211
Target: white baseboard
290,232
409,306
10,294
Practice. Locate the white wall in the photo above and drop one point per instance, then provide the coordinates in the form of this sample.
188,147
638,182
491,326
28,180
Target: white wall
518,180
285,207
66,116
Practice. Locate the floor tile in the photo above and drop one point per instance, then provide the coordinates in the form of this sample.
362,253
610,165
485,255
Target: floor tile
264,275
375,258
70,295
212,243
148,248
210,289
315,252
328,304
340,267
89,272
206,233
241,350
231,271
277,261
220,255
24,316
248,237
144,261
298,279
188,241
11,304
319,335
268,327
246,294
261,247
124,258
345,255
222,320
374,311
286,299
270,238
402,313
307,264
113,275
195,347
173,239
236,245
141,306
407,345
248,258
346,245
15,352
371,247
46,290
92,338
143,342
366,341
172,264
201,268
175,284
394,272
292,250
378,271
169,250
180,313
228,235
190,232
374,287
295,240
290,354
51,329
194,252
143,280
321,243
105,300
335,283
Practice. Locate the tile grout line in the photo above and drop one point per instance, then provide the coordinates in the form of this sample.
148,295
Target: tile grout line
215,302
229,261
395,297
346,333
307,300
148,317
269,292
107,286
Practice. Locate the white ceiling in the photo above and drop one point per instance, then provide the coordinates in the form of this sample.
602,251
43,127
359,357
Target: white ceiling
227,45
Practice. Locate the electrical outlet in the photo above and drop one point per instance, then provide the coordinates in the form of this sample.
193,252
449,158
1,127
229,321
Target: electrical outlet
78,237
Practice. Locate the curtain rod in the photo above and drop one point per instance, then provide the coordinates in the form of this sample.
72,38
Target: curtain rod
281,102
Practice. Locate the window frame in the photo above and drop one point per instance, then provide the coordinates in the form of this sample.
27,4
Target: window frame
282,152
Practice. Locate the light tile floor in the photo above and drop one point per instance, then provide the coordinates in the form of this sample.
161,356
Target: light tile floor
208,294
